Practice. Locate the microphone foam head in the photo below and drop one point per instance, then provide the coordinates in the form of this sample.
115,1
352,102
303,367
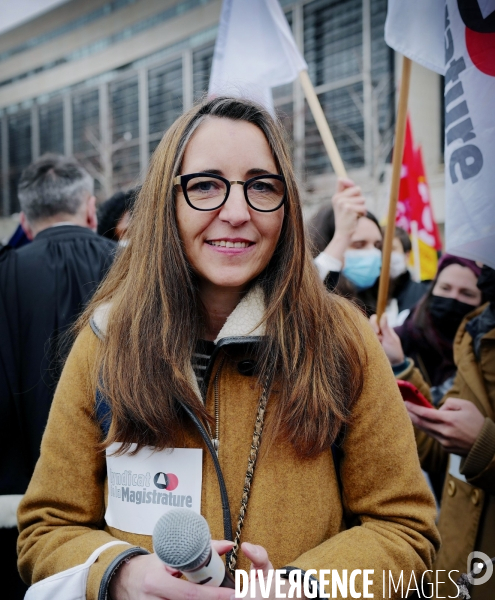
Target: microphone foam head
181,539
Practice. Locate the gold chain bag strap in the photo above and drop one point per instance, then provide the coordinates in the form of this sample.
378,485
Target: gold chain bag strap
253,456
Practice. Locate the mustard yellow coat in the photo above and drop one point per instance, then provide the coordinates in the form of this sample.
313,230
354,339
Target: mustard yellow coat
467,511
296,509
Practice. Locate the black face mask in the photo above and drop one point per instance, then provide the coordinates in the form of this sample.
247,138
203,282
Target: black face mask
447,314
486,283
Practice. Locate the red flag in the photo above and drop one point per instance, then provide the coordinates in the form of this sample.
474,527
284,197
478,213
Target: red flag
414,206
408,190
422,212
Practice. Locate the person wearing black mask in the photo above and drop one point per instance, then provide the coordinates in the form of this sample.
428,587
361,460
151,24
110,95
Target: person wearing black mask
426,338
456,443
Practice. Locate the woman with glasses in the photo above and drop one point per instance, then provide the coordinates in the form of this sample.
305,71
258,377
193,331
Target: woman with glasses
213,371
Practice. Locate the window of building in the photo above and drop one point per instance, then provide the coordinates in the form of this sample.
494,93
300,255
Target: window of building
202,61
124,120
85,123
125,163
164,99
19,128
51,124
382,77
124,125
86,135
333,41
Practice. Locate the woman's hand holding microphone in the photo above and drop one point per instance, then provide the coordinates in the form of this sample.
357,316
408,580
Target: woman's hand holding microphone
146,577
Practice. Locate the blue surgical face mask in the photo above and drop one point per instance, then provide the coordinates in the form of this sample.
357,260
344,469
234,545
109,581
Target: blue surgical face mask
362,267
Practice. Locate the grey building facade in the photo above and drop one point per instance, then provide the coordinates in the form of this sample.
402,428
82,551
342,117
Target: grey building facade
103,79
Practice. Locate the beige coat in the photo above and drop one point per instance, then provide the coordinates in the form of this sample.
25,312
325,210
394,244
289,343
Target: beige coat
467,513
295,509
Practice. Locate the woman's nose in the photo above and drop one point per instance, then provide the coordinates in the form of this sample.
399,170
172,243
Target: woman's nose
236,210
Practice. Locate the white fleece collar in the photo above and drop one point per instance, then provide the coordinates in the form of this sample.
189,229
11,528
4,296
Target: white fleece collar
246,318
99,320
244,321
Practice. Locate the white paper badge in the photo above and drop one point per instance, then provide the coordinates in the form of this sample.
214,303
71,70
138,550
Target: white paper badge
142,487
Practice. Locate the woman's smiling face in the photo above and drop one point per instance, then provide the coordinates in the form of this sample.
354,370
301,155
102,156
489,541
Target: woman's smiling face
230,246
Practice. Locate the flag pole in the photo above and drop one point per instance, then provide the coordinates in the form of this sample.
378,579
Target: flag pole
400,131
322,124
415,249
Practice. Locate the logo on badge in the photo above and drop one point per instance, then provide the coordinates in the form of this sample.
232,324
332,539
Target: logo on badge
166,481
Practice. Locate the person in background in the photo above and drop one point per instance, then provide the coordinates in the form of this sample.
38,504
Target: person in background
114,214
404,291
457,442
421,350
348,240
43,287
426,338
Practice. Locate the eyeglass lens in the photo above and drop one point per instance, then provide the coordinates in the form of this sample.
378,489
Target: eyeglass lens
207,193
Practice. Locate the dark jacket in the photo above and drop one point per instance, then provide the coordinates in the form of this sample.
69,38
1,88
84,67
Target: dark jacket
43,288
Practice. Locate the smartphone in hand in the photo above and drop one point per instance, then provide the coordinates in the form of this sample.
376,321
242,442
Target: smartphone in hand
411,393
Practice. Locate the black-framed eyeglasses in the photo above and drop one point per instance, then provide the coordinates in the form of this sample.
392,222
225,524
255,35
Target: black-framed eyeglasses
206,191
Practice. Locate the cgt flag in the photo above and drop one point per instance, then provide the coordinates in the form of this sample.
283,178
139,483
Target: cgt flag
254,52
414,206
429,236
456,38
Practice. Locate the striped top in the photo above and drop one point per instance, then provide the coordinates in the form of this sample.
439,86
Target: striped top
201,358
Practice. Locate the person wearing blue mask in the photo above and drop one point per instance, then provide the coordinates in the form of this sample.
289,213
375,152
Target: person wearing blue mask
347,240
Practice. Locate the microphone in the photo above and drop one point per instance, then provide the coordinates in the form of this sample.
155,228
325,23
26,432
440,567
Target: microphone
182,540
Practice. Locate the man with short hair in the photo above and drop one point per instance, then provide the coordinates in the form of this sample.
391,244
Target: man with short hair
43,288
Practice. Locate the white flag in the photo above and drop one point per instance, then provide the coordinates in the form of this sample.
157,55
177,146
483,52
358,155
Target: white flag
254,52
415,28
455,38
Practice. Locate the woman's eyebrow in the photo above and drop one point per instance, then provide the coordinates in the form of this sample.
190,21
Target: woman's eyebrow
256,171
252,172
212,171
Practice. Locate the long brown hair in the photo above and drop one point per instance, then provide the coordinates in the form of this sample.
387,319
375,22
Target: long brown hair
312,342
